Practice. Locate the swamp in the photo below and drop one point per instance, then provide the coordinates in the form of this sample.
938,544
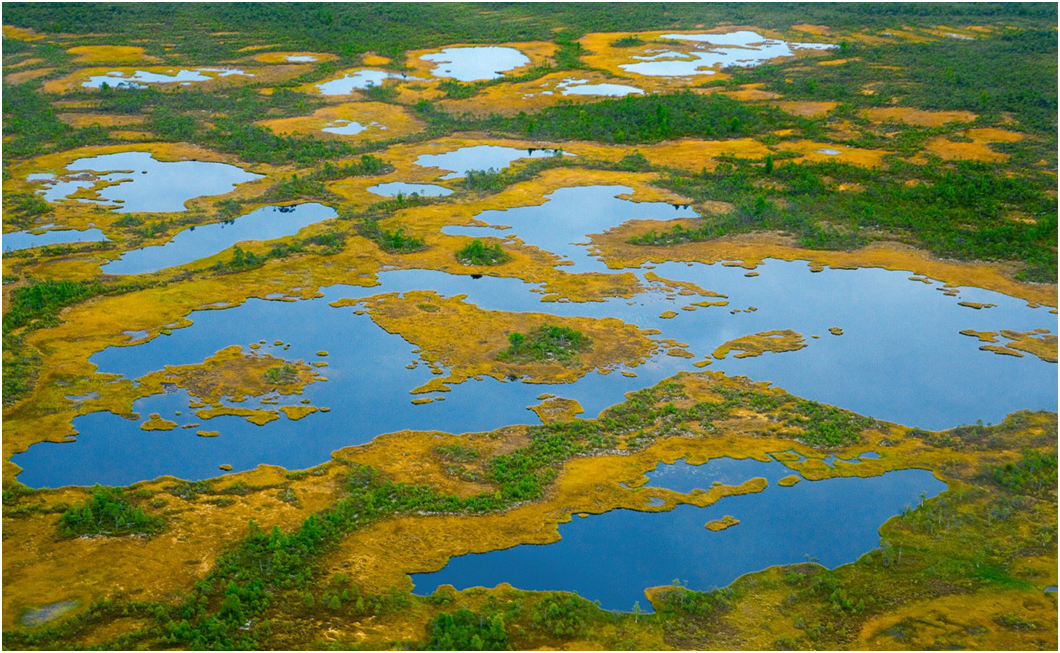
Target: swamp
497,326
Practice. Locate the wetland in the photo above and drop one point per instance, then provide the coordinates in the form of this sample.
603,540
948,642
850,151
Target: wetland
446,327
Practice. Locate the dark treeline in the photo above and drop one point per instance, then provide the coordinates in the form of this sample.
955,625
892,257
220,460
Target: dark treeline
642,119
1013,71
957,211
352,28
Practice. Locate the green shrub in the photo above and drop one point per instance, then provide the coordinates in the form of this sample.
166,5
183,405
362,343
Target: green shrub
478,253
108,512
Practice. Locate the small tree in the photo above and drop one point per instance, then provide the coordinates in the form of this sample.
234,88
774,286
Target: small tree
516,339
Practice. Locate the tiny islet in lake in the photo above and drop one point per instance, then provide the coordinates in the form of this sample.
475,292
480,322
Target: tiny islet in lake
194,243
915,372
140,183
472,64
780,525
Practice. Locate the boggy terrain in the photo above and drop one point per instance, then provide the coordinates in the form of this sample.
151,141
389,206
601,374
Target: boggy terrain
305,308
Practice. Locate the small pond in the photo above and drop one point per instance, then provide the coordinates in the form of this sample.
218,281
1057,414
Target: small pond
481,157
142,77
395,188
581,87
613,557
17,240
475,63
346,127
360,79
194,243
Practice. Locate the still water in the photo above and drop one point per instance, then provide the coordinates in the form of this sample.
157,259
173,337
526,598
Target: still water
613,557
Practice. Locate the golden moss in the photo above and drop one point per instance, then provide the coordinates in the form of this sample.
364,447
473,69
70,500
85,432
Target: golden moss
381,121
927,624
835,331
24,76
916,117
752,249
294,413
110,54
21,33
976,150
760,343
557,409
816,151
806,109
485,335
258,416
788,481
156,423
728,521
1039,344
281,57
101,119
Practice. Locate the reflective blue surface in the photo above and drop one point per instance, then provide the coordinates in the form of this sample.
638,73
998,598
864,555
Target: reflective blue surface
901,357
145,184
479,157
613,557
395,188
24,240
475,63
194,243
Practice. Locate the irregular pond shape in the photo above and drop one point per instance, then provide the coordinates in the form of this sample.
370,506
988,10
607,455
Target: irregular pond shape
742,48
24,239
300,58
194,243
571,86
833,521
481,157
917,372
345,127
567,217
475,63
829,151
38,616
357,80
395,188
142,77
142,183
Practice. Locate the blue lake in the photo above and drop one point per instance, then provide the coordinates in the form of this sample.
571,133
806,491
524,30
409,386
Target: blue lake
139,182
613,557
194,243
901,357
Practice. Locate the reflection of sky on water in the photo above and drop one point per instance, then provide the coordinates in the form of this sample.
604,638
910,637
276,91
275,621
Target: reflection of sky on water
901,357
832,521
